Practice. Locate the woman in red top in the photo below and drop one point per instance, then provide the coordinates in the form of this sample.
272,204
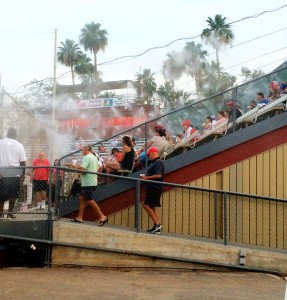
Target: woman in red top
40,179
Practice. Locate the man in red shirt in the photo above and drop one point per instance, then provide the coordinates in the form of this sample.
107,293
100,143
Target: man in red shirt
40,179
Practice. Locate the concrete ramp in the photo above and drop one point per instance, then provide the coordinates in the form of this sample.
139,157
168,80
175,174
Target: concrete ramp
89,245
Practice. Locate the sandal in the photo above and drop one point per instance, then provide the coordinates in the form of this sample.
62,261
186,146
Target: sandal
103,222
75,220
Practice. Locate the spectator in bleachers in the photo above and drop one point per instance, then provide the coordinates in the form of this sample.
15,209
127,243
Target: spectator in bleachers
178,138
262,101
140,160
213,118
283,87
102,149
226,114
188,130
126,162
158,140
207,125
274,91
221,118
234,112
252,104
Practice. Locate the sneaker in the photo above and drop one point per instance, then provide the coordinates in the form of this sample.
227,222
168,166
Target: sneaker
151,229
11,216
38,206
43,205
157,229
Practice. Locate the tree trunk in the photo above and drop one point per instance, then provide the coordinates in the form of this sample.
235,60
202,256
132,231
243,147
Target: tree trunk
217,62
73,75
95,64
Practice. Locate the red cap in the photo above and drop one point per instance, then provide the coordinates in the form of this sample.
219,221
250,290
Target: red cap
229,103
185,122
152,150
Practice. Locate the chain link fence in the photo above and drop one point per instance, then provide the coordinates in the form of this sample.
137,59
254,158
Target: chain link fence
185,211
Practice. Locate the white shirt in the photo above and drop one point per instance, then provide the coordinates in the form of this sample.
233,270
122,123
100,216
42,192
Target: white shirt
186,134
11,154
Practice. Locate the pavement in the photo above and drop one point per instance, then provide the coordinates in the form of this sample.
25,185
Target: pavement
86,283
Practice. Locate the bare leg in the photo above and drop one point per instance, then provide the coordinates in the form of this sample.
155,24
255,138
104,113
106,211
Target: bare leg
38,196
114,165
152,213
43,195
97,209
82,207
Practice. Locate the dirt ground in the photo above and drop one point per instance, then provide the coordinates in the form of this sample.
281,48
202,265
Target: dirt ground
71,283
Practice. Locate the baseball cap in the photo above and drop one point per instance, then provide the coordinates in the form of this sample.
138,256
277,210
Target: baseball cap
152,150
229,103
283,86
185,122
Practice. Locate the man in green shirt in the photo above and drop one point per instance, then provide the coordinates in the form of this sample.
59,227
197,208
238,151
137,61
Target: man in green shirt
89,182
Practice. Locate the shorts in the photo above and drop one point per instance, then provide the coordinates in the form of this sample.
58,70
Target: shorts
87,192
40,185
153,196
9,188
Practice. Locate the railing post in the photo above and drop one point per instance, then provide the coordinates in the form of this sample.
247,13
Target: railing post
56,198
215,216
137,206
50,190
224,219
145,146
234,99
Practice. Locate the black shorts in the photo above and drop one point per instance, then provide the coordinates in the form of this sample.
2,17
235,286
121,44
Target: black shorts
153,196
40,185
87,192
9,188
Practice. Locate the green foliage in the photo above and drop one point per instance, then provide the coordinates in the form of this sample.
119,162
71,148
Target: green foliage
249,75
107,94
69,54
172,97
145,85
94,39
36,97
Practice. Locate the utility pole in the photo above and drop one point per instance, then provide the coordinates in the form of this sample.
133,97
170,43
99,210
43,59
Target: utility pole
1,110
54,82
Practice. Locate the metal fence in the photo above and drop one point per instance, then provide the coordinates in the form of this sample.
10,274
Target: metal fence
186,211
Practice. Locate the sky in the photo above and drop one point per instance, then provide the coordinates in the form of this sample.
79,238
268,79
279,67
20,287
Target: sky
27,35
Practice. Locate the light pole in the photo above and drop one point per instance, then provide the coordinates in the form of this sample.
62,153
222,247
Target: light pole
54,82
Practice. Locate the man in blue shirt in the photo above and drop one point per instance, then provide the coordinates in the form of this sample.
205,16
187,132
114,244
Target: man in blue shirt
262,101
155,172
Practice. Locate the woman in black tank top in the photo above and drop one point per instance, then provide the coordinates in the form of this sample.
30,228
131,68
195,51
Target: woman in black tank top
128,156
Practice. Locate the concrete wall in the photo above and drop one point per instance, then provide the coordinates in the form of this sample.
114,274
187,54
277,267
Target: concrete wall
168,252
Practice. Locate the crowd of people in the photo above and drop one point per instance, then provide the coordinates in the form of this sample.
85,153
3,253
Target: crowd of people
121,160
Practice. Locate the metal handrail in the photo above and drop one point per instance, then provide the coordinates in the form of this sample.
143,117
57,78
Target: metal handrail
175,111
170,184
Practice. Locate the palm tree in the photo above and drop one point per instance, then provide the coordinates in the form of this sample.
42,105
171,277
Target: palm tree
215,84
84,67
146,85
69,54
173,66
94,39
195,61
191,60
217,34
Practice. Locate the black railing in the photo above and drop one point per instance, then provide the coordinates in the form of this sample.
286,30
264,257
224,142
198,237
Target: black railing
187,211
